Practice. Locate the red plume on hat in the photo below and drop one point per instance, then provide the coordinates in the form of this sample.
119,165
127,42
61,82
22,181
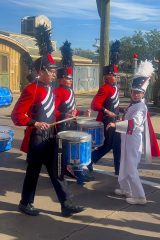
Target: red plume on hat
50,58
110,69
115,68
69,72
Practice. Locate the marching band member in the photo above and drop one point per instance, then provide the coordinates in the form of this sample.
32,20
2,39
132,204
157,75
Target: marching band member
66,107
131,129
106,102
36,110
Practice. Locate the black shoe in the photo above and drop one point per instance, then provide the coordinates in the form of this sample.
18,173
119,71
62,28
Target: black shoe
117,173
90,167
69,173
29,209
68,209
83,177
88,178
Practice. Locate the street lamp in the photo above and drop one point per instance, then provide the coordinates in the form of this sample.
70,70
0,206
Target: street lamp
96,45
135,59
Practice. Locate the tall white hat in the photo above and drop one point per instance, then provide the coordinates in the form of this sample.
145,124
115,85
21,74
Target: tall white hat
141,78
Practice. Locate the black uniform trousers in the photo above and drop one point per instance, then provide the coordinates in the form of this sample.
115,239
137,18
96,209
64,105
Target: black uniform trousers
43,149
112,141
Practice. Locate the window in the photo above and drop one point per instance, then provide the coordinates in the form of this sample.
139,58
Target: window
3,64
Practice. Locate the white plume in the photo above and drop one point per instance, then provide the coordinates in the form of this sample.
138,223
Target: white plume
145,69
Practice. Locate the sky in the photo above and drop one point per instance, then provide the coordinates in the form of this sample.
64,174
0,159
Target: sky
78,21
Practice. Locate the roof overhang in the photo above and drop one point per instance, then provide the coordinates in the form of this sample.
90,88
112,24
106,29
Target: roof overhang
11,40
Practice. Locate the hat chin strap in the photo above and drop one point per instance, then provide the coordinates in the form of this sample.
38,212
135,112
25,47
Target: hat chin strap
47,71
138,89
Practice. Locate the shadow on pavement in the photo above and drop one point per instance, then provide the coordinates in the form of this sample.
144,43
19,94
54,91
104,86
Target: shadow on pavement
17,226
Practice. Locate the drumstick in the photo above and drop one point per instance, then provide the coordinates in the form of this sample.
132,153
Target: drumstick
64,120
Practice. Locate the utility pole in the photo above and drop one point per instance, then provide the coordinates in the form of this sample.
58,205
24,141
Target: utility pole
103,7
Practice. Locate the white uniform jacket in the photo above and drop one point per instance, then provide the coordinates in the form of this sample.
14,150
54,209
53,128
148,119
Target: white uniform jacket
131,139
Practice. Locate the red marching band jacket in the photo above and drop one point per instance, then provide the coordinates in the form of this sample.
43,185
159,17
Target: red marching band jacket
106,94
64,102
36,103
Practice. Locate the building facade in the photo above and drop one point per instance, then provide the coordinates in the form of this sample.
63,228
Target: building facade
16,49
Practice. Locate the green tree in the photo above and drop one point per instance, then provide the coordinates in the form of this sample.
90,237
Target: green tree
153,43
145,45
84,53
139,45
134,44
156,88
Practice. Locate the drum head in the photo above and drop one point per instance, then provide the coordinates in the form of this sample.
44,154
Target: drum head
90,123
6,129
4,136
75,136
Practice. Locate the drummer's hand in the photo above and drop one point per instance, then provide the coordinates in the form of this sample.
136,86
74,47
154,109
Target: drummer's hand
111,124
41,125
111,114
71,113
87,113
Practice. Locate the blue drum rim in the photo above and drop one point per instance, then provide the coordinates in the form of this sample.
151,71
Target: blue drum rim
7,131
4,140
76,139
88,127
6,126
90,123
5,137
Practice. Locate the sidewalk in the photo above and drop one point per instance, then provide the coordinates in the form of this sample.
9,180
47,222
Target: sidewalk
107,217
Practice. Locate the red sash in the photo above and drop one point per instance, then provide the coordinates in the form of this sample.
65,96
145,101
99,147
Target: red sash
155,150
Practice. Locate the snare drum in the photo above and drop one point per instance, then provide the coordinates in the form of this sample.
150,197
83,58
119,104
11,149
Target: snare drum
75,147
5,97
9,133
95,128
4,138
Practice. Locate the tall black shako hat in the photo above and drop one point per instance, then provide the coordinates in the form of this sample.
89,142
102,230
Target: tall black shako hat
67,63
110,69
141,78
43,41
45,62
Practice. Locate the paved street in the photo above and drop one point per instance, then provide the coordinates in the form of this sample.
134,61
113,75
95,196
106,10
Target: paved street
107,217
